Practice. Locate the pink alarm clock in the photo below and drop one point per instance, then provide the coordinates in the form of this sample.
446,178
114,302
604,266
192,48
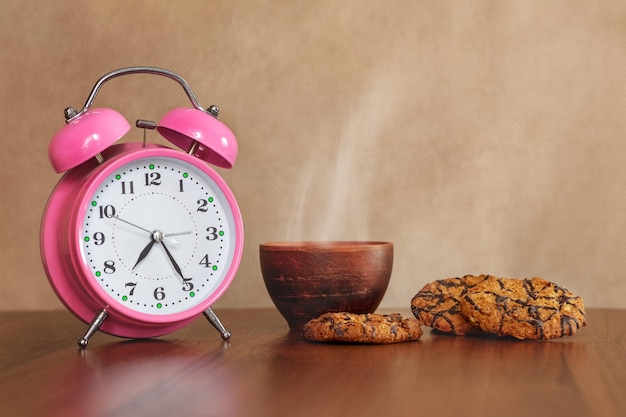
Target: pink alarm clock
138,239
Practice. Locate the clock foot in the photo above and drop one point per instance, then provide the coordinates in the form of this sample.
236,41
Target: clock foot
215,321
93,327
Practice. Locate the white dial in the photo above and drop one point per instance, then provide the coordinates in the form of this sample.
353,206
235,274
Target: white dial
158,235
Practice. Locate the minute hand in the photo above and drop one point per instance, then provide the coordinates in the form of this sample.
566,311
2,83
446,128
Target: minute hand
174,264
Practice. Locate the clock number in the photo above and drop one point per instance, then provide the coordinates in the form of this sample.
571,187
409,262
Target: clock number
202,205
159,293
187,284
153,178
180,186
131,187
205,261
109,267
107,211
99,238
132,286
212,233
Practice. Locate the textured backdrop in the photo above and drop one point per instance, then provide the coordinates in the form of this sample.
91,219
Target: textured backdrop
478,137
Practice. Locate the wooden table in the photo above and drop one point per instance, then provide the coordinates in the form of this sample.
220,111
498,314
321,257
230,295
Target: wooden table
266,371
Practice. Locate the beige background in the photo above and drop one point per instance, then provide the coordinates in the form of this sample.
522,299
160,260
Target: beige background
479,137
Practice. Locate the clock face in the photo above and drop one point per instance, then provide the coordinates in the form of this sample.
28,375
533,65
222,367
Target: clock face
158,235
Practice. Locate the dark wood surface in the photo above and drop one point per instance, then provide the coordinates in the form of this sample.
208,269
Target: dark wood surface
266,371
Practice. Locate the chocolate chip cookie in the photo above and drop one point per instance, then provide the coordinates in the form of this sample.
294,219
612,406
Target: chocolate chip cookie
437,304
531,308
362,328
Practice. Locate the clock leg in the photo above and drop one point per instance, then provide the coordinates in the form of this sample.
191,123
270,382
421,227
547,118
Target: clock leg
93,327
215,321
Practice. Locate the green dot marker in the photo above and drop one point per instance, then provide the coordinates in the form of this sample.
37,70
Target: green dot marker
192,294
221,233
118,176
86,238
124,298
214,267
94,203
210,199
151,166
159,305
98,273
185,175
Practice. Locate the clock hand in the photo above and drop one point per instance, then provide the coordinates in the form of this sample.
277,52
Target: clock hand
187,232
187,284
172,240
144,253
167,237
174,264
157,236
132,224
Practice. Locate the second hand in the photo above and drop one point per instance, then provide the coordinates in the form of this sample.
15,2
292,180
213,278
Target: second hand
165,236
132,224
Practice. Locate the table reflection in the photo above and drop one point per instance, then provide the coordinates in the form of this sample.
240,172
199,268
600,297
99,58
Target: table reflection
166,378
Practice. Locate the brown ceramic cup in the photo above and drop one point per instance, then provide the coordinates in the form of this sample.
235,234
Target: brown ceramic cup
308,279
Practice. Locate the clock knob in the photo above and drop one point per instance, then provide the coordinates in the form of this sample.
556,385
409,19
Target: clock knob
200,134
85,136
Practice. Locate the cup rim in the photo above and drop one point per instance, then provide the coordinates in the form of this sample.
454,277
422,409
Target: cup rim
324,245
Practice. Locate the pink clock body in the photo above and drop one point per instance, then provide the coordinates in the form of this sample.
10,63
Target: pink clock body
138,239
102,217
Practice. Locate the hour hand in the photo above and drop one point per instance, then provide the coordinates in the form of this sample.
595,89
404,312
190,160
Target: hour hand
144,252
